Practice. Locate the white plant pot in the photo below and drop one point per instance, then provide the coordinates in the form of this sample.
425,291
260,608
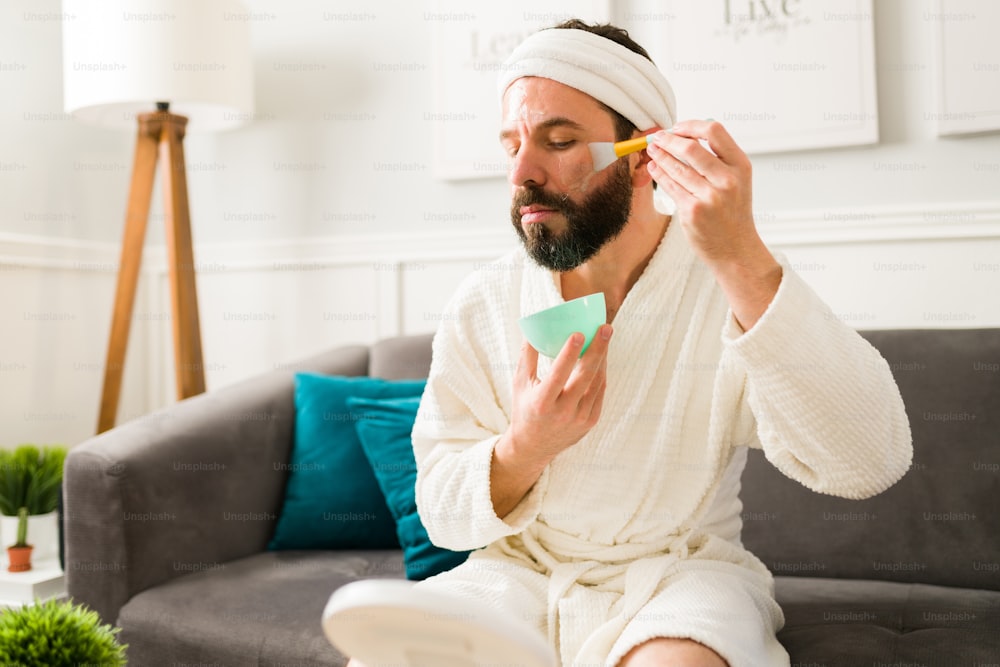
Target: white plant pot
43,534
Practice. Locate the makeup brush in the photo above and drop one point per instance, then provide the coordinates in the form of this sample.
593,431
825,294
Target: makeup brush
604,153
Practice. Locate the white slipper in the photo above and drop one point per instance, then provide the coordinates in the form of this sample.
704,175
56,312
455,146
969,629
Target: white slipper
393,622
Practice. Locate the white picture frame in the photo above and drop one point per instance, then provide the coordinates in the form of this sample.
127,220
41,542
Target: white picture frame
966,66
781,75
470,43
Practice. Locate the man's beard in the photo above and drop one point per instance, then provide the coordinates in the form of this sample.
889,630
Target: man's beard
599,218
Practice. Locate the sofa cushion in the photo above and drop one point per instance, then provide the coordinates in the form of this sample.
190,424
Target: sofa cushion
384,428
938,524
856,622
402,357
260,610
332,500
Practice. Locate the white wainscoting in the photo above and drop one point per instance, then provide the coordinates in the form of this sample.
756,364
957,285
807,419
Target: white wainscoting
263,305
891,268
56,298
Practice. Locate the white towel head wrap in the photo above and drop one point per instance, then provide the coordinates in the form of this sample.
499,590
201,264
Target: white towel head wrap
607,71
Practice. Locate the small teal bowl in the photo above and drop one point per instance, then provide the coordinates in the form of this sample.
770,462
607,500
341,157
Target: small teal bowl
547,330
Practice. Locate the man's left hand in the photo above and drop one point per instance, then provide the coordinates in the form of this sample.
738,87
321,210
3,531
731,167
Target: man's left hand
713,193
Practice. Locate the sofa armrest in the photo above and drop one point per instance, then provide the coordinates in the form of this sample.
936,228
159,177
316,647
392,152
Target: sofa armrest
184,489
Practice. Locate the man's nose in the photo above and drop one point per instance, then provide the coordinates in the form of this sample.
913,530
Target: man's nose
526,168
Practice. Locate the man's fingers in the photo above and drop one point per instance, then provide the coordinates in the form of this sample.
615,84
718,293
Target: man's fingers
718,138
667,167
675,190
687,151
527,366
593,363
562,367
572,375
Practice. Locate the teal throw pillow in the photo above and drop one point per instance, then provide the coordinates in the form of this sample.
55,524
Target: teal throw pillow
384,427
332,500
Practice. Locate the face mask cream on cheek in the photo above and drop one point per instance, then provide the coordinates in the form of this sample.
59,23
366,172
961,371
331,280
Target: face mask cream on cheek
575,171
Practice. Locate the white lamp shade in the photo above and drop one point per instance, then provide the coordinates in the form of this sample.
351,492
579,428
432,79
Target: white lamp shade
121,57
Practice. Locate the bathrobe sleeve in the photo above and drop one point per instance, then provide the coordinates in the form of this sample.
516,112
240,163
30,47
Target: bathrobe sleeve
463,413
826,408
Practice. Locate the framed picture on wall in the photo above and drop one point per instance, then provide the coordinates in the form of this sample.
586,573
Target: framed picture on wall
471,41
781,75
967,65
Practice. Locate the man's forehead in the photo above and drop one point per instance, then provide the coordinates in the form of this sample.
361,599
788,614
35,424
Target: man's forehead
537,101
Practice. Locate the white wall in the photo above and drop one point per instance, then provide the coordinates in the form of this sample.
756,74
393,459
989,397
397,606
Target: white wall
320,223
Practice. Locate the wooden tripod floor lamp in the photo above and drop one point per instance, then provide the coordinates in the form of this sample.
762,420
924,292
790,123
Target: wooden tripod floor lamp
121,60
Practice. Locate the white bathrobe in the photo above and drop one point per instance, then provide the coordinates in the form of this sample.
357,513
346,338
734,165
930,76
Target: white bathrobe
634,531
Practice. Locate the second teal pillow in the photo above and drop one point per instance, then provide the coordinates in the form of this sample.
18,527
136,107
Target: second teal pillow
384,427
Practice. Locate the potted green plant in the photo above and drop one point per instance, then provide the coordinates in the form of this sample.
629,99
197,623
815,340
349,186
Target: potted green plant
58,634
30,480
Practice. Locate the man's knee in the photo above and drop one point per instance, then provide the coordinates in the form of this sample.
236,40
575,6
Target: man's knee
671,652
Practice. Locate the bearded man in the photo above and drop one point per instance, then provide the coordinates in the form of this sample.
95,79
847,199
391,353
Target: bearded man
601,493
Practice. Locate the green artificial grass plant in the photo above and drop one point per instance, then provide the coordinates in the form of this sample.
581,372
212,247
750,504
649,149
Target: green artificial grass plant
57,634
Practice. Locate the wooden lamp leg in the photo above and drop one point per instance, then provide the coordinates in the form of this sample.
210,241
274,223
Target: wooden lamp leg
136,217
188,365
157,131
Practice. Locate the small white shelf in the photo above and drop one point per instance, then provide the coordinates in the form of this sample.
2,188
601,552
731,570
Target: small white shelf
43,581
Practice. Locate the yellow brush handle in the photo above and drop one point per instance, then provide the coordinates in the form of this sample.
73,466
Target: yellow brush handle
623,148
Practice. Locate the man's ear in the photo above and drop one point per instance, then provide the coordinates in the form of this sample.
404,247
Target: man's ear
640,173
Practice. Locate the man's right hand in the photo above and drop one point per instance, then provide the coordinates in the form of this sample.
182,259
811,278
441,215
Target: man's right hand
549,415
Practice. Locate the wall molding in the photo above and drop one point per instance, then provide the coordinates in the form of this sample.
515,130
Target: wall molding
314,253
50,252
931,222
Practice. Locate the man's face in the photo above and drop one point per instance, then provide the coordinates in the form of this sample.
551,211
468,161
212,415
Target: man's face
562,210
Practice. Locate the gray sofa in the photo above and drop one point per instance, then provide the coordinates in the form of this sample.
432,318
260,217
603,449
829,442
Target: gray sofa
167,520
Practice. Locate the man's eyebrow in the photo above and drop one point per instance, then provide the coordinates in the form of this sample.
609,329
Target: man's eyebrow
548,124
